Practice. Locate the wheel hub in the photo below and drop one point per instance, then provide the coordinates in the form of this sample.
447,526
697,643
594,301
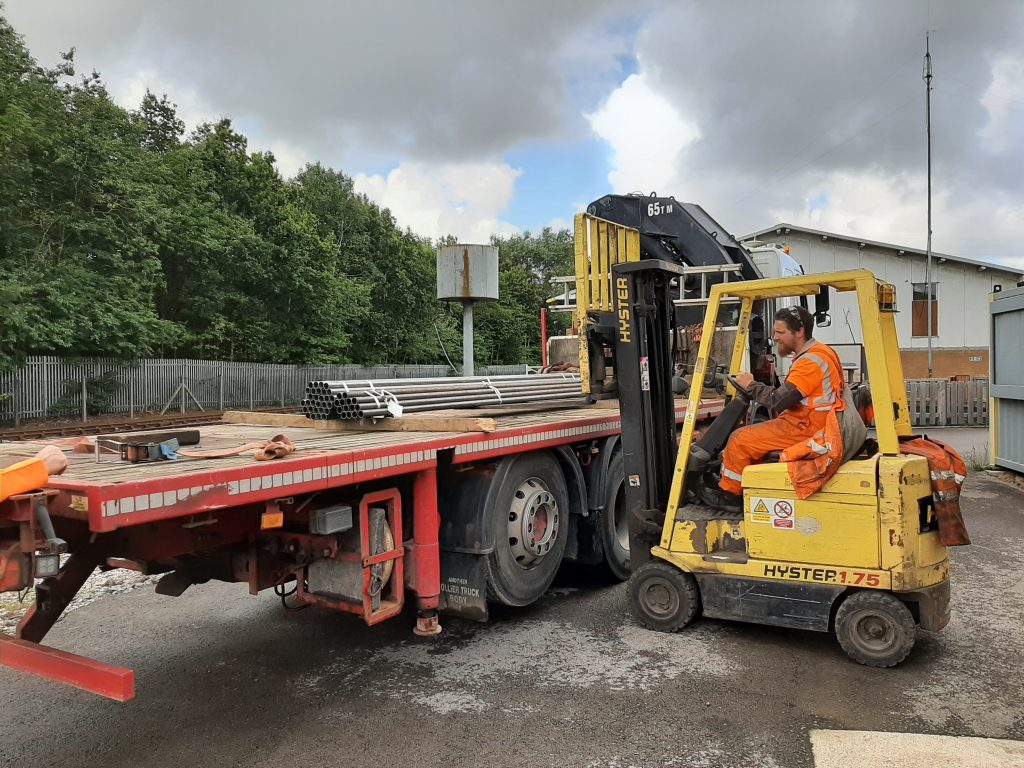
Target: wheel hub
659,598
533,522
874,632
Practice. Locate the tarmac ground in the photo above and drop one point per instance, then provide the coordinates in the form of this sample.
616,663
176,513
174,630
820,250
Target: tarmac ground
225,679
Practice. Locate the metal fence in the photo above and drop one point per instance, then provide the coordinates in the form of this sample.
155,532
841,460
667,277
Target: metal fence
53,386
1007,366
936,403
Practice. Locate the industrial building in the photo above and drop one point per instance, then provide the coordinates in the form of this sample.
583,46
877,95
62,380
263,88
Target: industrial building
960,296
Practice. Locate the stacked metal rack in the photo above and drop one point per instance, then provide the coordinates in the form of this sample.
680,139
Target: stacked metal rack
394,397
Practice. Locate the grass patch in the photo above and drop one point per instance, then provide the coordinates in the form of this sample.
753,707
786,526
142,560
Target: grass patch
977,460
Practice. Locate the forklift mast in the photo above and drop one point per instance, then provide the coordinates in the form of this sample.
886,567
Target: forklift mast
645,315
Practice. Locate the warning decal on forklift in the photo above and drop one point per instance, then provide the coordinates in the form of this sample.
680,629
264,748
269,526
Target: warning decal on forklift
779,513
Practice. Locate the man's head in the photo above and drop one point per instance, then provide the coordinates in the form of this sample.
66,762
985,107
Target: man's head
794,327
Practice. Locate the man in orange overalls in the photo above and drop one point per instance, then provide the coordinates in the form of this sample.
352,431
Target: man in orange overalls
802,406
32,473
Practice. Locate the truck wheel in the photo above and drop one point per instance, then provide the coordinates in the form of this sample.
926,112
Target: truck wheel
530,516
662,597
612,523
875,628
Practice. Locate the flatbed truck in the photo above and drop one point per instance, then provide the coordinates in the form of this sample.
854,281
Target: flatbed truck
354,521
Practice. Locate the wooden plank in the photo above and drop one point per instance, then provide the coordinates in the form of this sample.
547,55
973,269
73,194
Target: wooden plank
403,424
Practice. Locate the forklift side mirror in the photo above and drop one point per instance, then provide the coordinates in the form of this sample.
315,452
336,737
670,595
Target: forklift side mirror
821,306
756,333
711,375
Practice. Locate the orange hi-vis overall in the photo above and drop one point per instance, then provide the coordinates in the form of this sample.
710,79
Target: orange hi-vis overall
22,477
818,373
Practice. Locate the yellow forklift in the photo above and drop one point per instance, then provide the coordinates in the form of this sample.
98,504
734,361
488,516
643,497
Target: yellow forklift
861,557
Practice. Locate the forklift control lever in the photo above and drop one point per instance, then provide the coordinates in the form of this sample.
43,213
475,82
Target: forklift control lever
742,390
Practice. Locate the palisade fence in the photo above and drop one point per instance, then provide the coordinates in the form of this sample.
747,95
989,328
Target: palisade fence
53,387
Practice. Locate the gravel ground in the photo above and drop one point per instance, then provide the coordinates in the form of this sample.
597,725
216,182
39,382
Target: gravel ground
100,584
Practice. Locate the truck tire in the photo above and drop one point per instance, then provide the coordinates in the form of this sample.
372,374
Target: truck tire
612,524
875,628
530,515
663,597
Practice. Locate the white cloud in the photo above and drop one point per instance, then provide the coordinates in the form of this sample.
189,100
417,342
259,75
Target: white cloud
867,204
646,134
1003,99
192,110
462,199
893,209
128,90
288,158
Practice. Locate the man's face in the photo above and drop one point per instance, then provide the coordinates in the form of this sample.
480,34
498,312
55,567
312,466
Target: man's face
786,341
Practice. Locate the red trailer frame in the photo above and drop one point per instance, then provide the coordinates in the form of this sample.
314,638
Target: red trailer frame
114,514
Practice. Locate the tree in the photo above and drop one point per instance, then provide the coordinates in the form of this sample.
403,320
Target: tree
77,271
120,236
509,330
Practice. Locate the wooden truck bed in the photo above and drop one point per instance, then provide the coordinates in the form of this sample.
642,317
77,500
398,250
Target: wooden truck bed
111,493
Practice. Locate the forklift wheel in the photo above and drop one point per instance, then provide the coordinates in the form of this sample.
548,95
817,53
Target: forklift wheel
663,597
875,628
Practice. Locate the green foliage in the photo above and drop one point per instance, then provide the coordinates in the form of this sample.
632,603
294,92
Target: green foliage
100,392
121,236
508,331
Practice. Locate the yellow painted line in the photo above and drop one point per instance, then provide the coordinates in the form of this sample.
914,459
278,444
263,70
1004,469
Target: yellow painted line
873,749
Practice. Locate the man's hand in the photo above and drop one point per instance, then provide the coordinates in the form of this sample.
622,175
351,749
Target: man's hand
53,459
744,379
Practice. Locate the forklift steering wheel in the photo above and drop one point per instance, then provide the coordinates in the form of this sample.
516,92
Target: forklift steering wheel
742,390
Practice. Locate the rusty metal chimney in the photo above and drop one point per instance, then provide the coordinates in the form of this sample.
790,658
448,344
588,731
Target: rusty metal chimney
467,273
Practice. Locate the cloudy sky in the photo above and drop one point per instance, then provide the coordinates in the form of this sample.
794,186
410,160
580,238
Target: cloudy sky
470,117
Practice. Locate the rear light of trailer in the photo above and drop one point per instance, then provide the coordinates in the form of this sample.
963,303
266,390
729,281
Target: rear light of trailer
46,565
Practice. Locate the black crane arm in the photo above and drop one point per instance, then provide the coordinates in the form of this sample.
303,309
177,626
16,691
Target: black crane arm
682,233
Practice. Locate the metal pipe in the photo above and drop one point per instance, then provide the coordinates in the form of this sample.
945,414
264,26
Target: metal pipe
363,397
374,413
355,383
475,399
500,396
467,338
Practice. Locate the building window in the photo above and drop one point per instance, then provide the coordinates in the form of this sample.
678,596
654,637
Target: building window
919,309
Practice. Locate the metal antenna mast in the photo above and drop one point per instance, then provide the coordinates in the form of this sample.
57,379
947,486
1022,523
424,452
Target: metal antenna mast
928,128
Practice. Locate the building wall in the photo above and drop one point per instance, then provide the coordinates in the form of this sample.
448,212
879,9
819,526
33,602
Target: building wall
962,297
945,363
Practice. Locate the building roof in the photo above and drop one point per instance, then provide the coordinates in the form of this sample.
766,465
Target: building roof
784,228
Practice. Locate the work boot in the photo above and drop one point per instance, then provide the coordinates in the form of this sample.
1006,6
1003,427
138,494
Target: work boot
723,500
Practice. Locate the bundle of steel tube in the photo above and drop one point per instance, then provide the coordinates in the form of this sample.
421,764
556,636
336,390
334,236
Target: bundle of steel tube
392,397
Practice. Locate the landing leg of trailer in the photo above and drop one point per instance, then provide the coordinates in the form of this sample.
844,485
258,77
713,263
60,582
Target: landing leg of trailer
427,553
24,652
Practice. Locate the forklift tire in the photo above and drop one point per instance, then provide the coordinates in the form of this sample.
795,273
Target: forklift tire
530,515
875,628
612,525
662,597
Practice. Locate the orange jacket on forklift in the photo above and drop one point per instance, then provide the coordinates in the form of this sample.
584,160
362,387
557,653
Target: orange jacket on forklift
808,432
22,477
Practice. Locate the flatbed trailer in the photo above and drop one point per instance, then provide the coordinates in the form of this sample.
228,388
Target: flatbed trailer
352,521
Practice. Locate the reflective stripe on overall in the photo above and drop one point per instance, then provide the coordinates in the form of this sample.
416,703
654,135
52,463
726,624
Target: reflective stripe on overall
817,372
